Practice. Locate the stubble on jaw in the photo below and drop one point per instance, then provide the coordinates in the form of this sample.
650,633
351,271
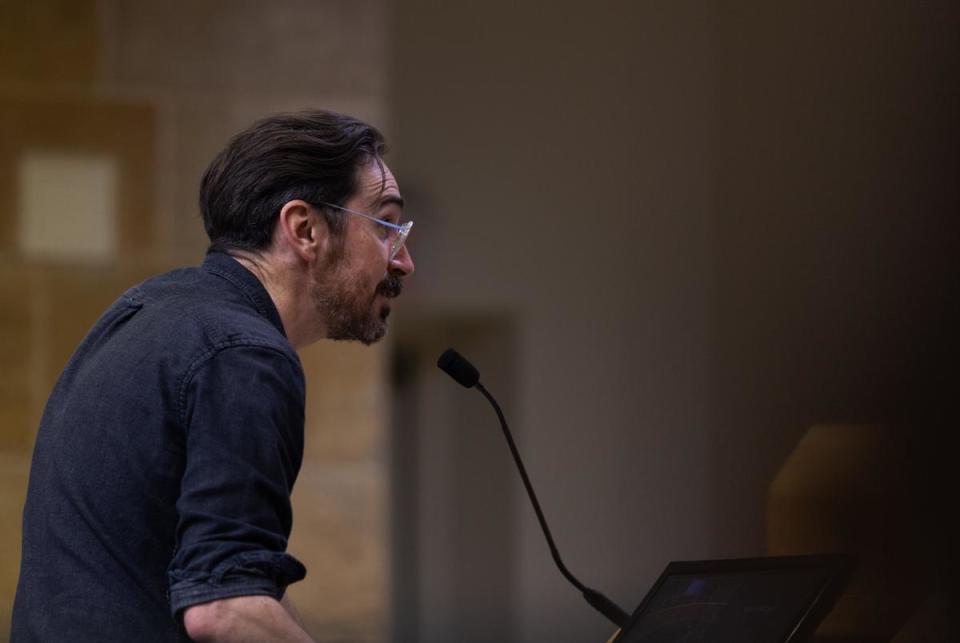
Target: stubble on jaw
346,313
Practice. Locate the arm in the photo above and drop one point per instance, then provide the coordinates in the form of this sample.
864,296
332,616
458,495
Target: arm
244,443
242,619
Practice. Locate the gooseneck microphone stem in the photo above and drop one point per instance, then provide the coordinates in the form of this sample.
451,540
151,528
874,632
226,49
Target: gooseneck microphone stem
533,496
600,602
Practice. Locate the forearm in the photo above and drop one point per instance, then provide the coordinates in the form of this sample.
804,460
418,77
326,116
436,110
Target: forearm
244,619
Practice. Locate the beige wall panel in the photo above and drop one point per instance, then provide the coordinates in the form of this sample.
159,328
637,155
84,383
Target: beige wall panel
67,206
13,488
286,46
339,534
51,41
345,401
200,130
339,501
121,130
18,407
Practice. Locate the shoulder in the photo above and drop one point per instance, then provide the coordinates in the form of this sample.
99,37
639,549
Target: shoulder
213,334
197,303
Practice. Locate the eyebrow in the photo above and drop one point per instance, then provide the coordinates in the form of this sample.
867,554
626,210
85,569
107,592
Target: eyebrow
390,200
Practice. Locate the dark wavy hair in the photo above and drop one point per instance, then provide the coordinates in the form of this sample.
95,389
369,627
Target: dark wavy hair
312,155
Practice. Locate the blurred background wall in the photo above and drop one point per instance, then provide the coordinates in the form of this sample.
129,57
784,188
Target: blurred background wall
673,236
706,228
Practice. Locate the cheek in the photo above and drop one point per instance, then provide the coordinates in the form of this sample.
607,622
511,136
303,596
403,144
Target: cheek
365,265
363,268
368,277
375,264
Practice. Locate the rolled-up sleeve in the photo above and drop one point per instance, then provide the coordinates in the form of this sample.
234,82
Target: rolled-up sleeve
243,413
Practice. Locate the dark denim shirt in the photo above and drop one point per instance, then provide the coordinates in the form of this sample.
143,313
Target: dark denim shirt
164,463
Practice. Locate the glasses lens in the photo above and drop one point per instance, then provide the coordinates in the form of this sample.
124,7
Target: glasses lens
401,239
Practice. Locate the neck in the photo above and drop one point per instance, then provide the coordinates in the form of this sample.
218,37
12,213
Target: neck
286,286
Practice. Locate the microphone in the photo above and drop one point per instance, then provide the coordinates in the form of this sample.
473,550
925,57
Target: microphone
456,366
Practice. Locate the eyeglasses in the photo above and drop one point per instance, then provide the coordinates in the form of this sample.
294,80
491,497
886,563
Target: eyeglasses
399,232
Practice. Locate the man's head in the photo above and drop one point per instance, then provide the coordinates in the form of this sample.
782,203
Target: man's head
314,156
307,199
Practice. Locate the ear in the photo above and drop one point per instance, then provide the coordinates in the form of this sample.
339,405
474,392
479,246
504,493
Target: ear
302,229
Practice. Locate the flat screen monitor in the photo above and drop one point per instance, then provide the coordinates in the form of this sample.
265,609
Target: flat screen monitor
746,600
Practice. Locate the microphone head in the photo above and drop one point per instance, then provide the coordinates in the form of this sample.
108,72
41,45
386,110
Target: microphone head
456,366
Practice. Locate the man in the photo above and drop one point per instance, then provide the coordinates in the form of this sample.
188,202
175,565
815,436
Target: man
159,497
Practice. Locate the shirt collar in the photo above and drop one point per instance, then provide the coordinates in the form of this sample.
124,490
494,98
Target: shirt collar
223,265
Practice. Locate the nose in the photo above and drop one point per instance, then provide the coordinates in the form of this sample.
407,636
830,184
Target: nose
402,263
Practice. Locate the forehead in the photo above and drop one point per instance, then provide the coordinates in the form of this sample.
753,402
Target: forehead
376,185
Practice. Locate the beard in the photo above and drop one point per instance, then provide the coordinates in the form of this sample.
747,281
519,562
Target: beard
349,313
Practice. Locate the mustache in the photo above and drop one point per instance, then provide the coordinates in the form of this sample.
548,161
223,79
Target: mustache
391,287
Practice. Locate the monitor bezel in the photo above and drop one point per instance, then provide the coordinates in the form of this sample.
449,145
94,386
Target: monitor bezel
840,568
